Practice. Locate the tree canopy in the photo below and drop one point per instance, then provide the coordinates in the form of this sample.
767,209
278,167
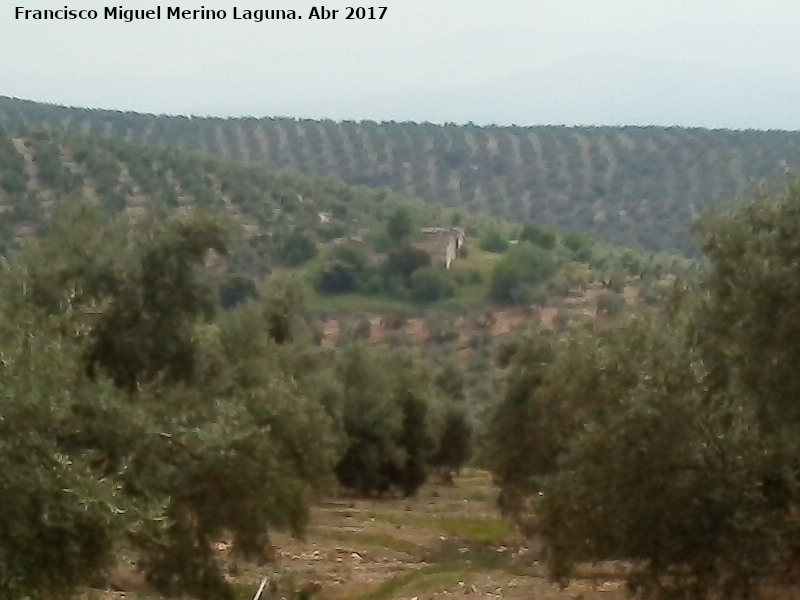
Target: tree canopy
521,268
131,414
670,442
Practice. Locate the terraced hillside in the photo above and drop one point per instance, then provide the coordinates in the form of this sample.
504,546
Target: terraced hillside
39,169
631,186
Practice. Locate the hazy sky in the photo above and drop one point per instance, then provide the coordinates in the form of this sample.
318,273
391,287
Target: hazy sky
695,63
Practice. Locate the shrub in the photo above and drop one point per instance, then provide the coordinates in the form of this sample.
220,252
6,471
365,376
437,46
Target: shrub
611,304
431,284
579,245
493,240
403,261
523,266
297,248
538,235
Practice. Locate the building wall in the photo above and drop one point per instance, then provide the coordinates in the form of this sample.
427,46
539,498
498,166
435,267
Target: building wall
442,244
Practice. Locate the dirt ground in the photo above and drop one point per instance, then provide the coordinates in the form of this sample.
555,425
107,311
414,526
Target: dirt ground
445,543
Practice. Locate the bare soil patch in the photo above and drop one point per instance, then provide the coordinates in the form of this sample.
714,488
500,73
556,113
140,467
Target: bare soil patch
447,542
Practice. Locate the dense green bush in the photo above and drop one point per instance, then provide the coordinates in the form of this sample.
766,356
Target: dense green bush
493,240
337,277
431,284
579,245
402,262
347,270
538,235
297,248
521,268
386,407
399,227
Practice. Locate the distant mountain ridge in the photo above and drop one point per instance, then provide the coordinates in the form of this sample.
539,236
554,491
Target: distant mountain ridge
629,186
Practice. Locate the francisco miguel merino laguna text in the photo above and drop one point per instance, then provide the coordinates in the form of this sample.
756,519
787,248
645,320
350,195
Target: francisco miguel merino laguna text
120,13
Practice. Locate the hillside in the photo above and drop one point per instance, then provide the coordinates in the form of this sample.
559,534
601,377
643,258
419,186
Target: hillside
333,236
40,168
286,220
630,186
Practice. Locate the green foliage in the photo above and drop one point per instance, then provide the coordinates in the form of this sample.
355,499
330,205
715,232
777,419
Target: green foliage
337,277
352,253
493,240
455,442
282,218
536,234
278,220
441,330
451,381
754,290
13,180
431,284
689,522
386,416
402,262
579,245
254,464
399,227
414,393
193,430
630,186
372,424
61,510
524,433
297,248
236,290
146,332
521,268
670,442
345,271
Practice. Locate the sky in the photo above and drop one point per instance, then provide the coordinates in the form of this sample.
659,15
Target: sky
701,63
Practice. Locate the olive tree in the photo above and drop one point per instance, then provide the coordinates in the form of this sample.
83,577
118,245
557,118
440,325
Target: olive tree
130,413
670,442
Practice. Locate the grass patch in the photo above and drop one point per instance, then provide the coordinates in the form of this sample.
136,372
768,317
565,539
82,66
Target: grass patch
483,530
487,495
477,530
380,540
482,558
436,582
478,260
427,579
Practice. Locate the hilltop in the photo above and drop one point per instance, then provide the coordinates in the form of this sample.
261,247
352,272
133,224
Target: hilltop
629,186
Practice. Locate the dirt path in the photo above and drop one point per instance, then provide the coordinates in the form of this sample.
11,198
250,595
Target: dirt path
448,541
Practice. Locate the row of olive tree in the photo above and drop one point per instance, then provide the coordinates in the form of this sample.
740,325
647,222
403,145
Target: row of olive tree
671,442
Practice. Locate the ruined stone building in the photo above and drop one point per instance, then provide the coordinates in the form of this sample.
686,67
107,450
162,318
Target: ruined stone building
442,243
